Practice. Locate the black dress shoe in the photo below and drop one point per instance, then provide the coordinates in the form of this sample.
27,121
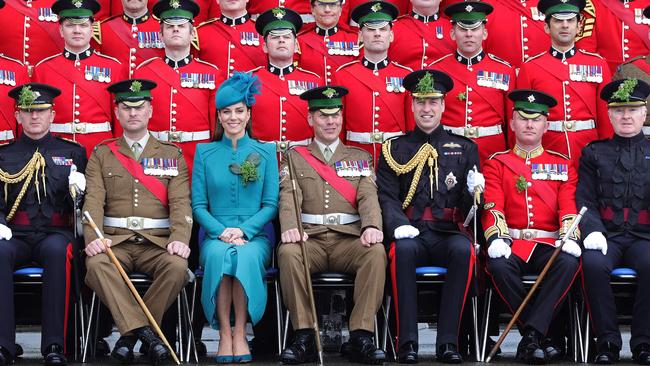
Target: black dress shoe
201,348
54,355
529,349
554,349
156,350
5,356
448,353
641,354
408,353
607,353
302,350
102,349
363,350
123,350
19,350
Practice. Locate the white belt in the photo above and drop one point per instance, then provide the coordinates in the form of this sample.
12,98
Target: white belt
136,223
571,126
645,129
181,136
282,146
80,127
371,137
530,234
475,131
6,135
329,219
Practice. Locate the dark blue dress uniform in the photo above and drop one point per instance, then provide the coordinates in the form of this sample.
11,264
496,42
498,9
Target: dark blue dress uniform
41,226
614,184
438,215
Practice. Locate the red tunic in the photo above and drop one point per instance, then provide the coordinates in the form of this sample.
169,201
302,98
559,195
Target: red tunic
208,9
418,43
317,54
302,7
12,74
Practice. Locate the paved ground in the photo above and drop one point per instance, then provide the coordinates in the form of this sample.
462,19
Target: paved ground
29,338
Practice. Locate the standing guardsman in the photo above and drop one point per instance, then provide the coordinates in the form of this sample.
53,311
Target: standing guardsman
83,113
613,184
12,73
426,183
40,174
183,101
478,105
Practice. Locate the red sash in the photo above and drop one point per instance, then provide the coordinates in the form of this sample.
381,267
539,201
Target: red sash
641,30
345,188
153,185
32,13
122,30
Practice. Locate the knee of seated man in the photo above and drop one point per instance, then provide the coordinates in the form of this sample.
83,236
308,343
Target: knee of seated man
377,254
406,247
95,265
56,247
593,261
175,265
567,262
289,253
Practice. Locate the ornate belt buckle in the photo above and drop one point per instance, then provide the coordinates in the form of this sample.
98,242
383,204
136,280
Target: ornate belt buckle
281,146
175,136
569,126
528,234
134,223
79,127
332,219
377,137
471,132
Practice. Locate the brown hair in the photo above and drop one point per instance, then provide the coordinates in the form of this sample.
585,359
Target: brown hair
219,132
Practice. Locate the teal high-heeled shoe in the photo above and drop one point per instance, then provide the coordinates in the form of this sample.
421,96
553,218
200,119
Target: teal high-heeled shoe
224,359
242,358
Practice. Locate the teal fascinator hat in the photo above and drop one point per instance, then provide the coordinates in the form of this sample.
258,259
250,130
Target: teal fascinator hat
240,87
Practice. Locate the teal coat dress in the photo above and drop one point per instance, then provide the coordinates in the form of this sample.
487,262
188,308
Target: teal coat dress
220,200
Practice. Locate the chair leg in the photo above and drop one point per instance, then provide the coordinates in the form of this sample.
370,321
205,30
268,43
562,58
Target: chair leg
82,325
191,345
179,327
278,315
286,330
587,336
376,332
486,322
476,329
386,311
87,336
578,326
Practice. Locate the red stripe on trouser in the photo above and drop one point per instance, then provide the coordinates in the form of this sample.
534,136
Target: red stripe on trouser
393,280
472,260
68,270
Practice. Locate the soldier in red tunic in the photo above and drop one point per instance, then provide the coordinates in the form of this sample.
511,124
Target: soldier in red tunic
12,73
403,7
84,112
208,9
327,43
230,41
133,36
280,115
257,7
183,101
477,106
529,206
380,108
572,76
422,36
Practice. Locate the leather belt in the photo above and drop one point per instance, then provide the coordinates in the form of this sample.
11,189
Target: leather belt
571,126
448,215
136,223
475,131
607,213
57,219
6,135
282,146
371,137
181,136
330,219
80,127
530,234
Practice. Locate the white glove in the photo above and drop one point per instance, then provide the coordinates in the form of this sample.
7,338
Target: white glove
570,247
77,179
596,241
5,232
475,180
406,232
499,248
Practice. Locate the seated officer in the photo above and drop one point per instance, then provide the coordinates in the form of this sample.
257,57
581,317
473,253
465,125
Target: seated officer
35,218
138,194
342,225
529,205
613,185
425,179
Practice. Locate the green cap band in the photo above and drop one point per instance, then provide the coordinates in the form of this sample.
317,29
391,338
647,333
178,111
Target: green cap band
531,107
562,8
132,95
375,17
325,103
176,13
279,24
76,13
468,17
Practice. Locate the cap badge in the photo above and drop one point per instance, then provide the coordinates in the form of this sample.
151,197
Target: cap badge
375,8
329,92
469,8
174,4
531,98
27,96
136,86
77,3
279,13
425,85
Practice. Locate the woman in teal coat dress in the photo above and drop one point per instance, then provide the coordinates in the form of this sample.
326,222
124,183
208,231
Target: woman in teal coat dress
234,194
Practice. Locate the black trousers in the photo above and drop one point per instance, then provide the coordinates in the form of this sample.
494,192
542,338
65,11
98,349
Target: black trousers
506,277
450,250
51,252
628,251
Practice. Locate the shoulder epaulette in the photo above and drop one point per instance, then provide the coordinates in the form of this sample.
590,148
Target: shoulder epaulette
5,57
590,53
97,32
103,143
536,56
348,64
145,62
498,153
402,17
195,41
499,59
101,22
441,58
107,56
209,21
557,153
47,59
307,71
68,140
363,151
402,66
205,62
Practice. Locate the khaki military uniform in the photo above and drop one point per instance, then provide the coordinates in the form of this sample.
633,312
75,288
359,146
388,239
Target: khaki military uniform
331,247
113,192
639,68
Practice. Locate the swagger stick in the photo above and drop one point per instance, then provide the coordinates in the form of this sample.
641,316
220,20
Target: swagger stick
556,252
305,261
135,293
